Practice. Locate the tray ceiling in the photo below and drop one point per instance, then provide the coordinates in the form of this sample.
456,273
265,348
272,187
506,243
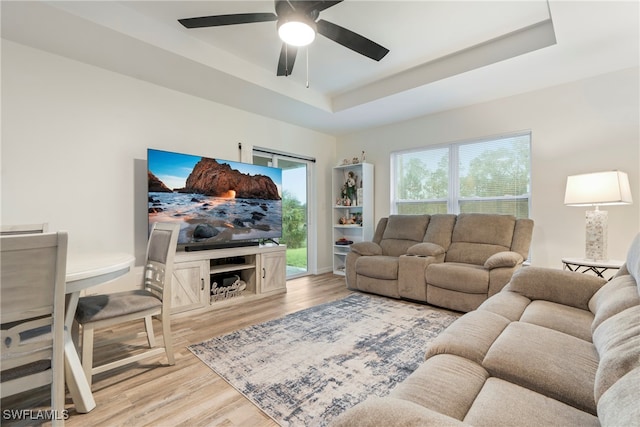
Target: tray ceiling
443,54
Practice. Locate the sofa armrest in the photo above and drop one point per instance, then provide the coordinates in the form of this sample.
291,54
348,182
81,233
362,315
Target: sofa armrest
392,412
563,287
366,248
425,249
503,259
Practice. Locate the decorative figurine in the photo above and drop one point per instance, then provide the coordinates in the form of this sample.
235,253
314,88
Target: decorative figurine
350,188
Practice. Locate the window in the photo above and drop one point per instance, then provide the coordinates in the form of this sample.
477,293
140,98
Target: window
485,176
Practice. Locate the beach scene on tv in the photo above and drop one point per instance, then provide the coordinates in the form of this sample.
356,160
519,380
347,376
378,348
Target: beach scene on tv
215,201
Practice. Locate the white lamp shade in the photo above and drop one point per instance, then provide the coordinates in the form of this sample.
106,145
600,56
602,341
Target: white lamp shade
296,33
598,188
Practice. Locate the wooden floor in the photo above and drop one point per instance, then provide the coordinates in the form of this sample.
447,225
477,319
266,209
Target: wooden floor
151,393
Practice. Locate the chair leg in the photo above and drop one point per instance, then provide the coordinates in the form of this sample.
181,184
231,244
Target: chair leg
57,387
87,352
148,324
57,401
168,340
75,334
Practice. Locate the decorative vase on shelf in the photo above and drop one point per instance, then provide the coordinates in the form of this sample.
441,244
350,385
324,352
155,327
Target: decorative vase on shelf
359,200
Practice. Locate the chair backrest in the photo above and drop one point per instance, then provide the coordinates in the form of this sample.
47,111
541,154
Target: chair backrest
440,230
32,289
161,250
477,236
402,232
10,230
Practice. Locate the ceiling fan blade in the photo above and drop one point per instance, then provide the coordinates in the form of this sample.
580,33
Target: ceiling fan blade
220,20
351,40
287,59
316,5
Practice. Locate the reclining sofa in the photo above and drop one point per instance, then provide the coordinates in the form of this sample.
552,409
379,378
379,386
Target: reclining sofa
452,261
553,348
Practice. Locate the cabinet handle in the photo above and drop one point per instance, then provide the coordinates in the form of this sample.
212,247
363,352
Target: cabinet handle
202,287
264,273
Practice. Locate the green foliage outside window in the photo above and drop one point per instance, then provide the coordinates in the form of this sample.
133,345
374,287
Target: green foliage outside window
294,232
491,176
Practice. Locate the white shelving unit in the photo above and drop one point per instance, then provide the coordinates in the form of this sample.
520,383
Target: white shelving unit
360,210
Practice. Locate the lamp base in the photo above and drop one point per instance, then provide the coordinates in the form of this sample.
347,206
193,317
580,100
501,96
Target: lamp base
596,237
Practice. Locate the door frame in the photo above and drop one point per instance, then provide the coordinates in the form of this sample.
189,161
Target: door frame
312,231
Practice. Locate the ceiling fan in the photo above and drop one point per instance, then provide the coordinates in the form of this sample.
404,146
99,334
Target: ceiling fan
297,26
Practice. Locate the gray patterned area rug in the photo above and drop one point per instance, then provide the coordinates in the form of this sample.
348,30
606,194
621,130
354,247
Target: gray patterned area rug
308,367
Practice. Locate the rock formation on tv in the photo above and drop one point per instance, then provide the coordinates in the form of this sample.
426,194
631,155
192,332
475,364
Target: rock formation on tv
214,179
155,185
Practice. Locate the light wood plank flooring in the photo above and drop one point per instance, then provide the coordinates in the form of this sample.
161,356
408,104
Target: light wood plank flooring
150,393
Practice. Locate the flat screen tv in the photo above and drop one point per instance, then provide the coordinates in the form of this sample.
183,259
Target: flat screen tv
218,203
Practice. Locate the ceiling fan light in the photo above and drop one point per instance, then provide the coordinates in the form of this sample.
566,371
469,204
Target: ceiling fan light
296,33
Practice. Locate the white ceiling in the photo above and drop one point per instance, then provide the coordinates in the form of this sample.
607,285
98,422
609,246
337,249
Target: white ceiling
443,54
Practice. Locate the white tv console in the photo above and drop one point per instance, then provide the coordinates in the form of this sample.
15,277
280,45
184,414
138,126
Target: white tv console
263,268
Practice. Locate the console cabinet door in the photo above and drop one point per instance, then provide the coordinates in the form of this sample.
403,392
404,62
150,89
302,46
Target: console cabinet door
273,272
189,285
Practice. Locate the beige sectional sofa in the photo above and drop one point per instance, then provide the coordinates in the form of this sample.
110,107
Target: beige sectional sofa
553,348
453,261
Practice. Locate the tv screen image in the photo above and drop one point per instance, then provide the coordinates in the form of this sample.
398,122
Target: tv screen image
217,202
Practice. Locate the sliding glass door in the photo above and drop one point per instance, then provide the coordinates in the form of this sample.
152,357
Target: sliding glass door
295,207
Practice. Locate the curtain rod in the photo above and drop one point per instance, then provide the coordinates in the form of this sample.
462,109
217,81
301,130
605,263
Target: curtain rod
283,154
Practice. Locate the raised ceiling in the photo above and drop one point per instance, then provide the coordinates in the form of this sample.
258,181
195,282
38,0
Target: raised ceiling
443,54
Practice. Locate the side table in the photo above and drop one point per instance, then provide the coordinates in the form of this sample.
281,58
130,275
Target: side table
582,265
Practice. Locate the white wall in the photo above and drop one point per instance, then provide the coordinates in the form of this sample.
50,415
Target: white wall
585,126
74,140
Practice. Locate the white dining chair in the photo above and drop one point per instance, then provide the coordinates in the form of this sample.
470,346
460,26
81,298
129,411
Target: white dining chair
32,303
153,301
16,229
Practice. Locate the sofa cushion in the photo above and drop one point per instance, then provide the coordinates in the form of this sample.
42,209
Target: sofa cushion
406,227
563,318
468,278
485,228
618,406
391,412
472,253
382,225
549,362
379,267
562,287
453,299
613,298
522,234
617,340
395,247
503,259
384,287
402,232
440,229
444,383
470,336
476,237
633,260
366,248
508,304
501,403
425,249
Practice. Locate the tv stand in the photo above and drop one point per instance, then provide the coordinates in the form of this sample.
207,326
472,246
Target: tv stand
262,268
226,245
271,241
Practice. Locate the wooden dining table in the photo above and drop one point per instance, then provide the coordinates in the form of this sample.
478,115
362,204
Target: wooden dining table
84,271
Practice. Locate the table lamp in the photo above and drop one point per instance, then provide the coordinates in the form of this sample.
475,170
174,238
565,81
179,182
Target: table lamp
597,189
